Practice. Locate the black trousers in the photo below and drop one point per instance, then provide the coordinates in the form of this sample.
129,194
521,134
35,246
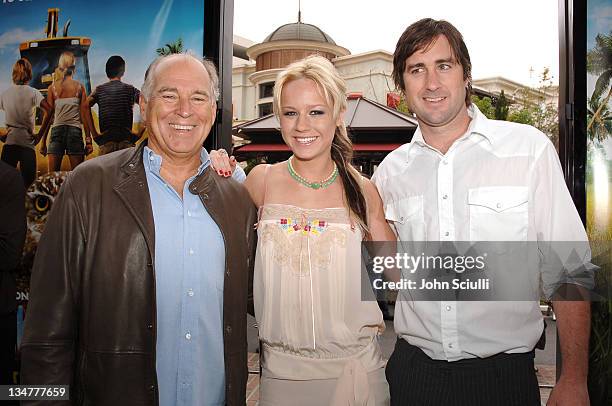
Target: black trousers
26,157
500,380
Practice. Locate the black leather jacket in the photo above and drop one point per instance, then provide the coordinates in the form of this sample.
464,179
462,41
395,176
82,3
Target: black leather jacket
91,318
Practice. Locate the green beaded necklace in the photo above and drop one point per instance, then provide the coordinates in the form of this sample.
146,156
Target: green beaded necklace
313,185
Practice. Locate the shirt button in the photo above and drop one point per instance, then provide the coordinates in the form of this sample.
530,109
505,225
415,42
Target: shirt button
445,197
445,162
446,234
228,329
448,308
188,213
151,158
450,345
188,336
190,292
190,251
499,205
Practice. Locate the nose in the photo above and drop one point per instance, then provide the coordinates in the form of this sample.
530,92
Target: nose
433,80
183,107
302,123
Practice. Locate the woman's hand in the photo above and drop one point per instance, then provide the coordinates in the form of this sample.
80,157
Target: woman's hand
43,149
221,163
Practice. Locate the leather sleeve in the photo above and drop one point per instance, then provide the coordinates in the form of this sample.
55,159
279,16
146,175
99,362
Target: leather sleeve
50,332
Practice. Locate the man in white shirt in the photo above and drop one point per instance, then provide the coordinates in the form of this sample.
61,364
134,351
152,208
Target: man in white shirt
467,178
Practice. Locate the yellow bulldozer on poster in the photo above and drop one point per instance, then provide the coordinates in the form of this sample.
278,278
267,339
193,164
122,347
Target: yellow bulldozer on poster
44,54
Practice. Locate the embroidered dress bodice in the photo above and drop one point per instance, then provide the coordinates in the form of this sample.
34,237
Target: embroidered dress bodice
308,284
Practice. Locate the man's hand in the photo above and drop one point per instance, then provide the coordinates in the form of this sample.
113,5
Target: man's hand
221,163
43,149
88,148
567,393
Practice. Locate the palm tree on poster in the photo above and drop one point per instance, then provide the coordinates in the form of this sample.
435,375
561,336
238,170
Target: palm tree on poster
599,62
175,47
601,128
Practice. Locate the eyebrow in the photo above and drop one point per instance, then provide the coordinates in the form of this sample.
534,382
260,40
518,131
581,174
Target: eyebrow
437,62
175,90
308,106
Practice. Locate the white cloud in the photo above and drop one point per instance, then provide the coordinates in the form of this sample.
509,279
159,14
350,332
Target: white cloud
17,36
158,26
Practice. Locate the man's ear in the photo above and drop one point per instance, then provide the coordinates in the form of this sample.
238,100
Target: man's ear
142,102
214,112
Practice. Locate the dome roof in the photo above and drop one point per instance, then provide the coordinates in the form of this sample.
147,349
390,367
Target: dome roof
299,31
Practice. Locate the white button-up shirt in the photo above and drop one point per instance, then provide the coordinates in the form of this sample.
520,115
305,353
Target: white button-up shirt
500,181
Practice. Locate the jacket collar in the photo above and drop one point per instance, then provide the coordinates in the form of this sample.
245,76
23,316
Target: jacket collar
133,191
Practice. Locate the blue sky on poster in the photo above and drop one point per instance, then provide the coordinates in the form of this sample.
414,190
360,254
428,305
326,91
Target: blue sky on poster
504,38
131,28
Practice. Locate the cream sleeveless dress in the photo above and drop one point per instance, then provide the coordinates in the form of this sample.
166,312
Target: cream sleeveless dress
319,339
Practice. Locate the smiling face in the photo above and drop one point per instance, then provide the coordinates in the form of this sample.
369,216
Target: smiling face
181,109
435,86
306,119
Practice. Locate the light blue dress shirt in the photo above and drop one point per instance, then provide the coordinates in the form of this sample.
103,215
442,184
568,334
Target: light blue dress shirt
189,272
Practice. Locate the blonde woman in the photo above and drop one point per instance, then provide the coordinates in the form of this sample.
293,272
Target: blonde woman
70,111
318,336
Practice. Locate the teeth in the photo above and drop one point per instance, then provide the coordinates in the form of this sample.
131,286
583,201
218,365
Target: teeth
182,127
306,140
434,99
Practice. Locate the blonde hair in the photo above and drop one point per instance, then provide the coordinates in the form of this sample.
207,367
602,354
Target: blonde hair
22,72
65,66
321,71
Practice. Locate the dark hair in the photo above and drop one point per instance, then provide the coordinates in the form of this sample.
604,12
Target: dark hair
420,36
22,72
115,67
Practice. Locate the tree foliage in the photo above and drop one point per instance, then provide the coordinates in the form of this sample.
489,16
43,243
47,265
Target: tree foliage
599,62
175,47
534,108
501,107
485,105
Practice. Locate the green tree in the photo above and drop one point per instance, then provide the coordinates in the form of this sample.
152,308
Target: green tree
485,105
175,47
602,125
599,62
501,107
534,108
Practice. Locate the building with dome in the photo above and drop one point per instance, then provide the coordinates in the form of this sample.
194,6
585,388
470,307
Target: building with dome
368,74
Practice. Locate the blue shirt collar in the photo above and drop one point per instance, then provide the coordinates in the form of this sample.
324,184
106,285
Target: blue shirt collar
152,161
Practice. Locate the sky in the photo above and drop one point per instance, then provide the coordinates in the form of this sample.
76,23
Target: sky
130,28
504,38
133,29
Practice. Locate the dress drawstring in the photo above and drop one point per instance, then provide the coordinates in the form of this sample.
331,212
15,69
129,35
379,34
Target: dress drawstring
314,338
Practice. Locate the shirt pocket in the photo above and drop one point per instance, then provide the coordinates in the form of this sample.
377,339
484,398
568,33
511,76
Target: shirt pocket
408,218
498,213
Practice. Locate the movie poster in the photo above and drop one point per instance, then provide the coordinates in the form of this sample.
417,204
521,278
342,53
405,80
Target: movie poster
41,30
599,189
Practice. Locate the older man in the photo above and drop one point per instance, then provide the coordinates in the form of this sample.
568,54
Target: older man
467,178
140,284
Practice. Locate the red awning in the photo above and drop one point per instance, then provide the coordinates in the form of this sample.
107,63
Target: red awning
285,148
